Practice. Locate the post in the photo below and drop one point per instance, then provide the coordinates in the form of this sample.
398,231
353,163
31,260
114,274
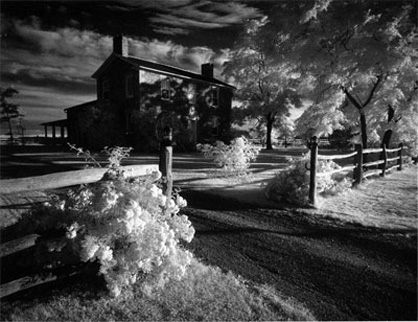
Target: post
400,157
385,160
358,162
312,181
166,161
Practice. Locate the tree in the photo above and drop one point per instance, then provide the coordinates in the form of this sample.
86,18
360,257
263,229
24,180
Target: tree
21,128
361,59
285,129
9,111
266,88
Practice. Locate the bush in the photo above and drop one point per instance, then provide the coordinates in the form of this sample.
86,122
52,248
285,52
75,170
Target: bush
292,184
128,227
233,159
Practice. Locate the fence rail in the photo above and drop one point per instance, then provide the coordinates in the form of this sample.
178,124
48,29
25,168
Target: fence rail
336,156
358,166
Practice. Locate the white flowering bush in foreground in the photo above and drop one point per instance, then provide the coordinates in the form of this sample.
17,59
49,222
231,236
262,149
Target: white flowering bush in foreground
130,228
233,159
292,184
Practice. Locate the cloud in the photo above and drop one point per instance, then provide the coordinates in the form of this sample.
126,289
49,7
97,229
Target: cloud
183,18
66,42
153,4
59,58
170,53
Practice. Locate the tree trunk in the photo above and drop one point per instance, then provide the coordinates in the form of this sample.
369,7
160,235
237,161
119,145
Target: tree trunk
270,121
363,129
363,126
9,122
388,133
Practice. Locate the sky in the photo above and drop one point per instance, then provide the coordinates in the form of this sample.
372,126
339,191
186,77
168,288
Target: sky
50,49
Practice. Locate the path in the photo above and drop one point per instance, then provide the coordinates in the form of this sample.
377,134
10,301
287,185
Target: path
353,259
338,270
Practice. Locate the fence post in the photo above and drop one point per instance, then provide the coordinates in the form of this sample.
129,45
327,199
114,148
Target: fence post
400,157
312,181
166,161
358,162
385,160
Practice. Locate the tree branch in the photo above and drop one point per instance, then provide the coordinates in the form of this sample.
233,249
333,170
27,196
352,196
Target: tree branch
356,104
379,78
260,86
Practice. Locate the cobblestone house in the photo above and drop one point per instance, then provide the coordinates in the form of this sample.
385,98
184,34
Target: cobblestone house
137,98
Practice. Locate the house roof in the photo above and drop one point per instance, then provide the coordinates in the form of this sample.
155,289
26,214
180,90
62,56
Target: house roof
81,105
160,68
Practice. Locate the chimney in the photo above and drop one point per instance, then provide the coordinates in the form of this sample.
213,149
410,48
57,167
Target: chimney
120,45
207,70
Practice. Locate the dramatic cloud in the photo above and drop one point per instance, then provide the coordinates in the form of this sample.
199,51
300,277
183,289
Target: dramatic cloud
156,4
203,15
169,53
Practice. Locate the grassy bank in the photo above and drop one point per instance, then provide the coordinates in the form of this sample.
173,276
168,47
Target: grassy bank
204,294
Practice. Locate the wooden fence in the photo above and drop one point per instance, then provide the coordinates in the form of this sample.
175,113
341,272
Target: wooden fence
361,169
36,245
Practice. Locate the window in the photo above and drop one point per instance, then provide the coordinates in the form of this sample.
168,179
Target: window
191,93
214,93
215,126
165,89
105,89
129,85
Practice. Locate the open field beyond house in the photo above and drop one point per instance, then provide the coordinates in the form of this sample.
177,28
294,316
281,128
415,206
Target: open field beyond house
354,258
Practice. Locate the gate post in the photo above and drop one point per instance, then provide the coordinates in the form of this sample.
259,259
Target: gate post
312,181
166,161
358,162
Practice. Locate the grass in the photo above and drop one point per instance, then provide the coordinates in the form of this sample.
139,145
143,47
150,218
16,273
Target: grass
390,202
204,294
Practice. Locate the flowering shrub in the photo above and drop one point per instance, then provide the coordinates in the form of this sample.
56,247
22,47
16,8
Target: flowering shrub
292,184
129,227
233,159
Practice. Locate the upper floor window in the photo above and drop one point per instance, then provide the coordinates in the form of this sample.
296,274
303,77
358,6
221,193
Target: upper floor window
105,89
191,93
165,89
129,85
214,96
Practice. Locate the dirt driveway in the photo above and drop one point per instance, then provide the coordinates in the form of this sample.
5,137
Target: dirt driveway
340,271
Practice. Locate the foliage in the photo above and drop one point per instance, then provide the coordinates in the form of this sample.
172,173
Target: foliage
233,159
266,89
360,59
292,184
128,226
9,110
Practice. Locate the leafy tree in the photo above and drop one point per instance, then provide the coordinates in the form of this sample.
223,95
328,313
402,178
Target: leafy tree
9,111
360,59
285,129
266,88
